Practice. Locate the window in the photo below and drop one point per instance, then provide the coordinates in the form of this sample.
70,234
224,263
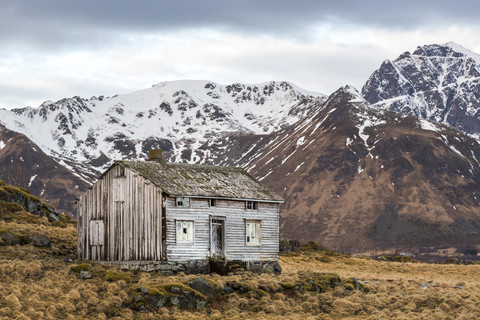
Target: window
251,205
253,232
212,202
184,231
182,202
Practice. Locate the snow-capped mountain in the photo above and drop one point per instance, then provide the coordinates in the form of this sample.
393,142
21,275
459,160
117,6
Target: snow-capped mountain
180,117
435,82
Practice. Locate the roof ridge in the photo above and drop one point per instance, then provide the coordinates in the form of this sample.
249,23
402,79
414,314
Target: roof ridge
185,179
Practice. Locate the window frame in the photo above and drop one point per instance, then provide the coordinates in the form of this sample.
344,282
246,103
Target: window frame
212,202
183,200
177,232
251,205
257,231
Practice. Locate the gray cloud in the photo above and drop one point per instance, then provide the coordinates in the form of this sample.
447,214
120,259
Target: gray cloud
97,23
52,49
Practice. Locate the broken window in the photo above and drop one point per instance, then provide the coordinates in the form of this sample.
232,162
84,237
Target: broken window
251,205
184,231
183,202
212,202
253,232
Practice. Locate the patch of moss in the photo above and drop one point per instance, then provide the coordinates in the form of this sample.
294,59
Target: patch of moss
169,288
288,285
261,293
11,206
14,212
78,268
117,276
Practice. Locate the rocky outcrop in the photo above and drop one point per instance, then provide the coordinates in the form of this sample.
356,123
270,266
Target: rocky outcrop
199,293
27,201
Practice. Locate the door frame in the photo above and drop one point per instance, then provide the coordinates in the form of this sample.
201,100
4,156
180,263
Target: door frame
223,220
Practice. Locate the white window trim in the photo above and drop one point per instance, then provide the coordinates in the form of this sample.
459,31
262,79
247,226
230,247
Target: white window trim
178,241
256,222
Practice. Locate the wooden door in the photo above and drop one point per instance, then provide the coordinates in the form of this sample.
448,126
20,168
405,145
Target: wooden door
217,239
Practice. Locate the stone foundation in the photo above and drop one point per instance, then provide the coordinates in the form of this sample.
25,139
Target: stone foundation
166,267
221,267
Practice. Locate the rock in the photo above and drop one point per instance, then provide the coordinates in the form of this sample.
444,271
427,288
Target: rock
187,300
175,301
202,286
272,267
139,304
175,289
227,289
288,246
144,290
39,240
10,239
85,275
277,269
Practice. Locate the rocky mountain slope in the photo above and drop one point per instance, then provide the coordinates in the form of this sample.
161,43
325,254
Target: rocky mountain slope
177,117
357,178
435,82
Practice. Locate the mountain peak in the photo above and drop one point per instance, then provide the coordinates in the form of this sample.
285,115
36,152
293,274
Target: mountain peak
458,48
436,82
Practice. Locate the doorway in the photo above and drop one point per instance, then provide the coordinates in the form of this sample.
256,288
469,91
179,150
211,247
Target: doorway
217,238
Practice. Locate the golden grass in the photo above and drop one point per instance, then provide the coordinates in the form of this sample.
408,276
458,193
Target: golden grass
37,283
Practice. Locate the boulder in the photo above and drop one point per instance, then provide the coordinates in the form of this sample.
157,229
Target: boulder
202,286
40,241
10,239
287,246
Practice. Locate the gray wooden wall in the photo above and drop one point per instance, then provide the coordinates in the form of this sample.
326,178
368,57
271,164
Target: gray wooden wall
235,215
129,210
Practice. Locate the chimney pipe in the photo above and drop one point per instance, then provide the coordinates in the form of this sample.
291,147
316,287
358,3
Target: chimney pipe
155,155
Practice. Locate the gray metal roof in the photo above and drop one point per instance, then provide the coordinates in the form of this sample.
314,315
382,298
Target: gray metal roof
181,179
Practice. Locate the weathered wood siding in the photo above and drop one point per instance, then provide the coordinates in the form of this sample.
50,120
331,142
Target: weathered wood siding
130,208
234,215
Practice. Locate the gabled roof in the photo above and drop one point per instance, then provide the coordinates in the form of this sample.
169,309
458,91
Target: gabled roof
181,179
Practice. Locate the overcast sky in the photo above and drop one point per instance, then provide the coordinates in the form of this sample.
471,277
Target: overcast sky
52,49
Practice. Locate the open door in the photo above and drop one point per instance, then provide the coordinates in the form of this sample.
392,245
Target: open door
217,238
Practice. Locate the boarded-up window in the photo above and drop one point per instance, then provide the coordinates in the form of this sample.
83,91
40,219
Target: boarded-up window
118,192
253,232
182,202
184,231
96,232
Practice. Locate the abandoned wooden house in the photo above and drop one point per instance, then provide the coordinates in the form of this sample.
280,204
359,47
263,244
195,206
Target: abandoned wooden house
156,215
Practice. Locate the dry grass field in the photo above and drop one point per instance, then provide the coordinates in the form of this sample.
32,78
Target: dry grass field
38,283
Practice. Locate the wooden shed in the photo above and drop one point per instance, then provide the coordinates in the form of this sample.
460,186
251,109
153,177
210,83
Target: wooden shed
156,215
